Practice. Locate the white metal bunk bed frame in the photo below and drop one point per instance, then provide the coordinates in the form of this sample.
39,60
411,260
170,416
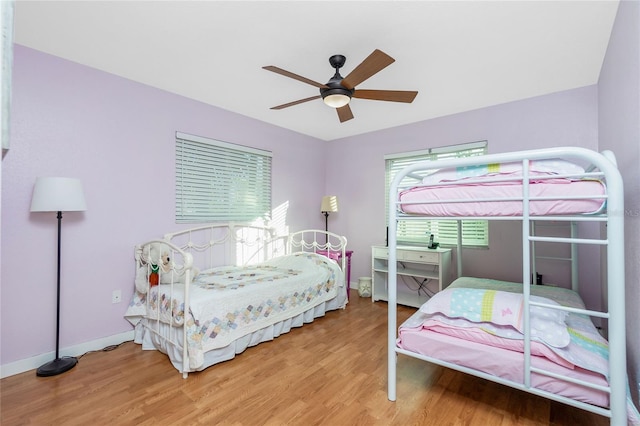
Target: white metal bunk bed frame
264,238
614,243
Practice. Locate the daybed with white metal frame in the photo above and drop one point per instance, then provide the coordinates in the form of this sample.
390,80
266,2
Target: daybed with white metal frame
245,286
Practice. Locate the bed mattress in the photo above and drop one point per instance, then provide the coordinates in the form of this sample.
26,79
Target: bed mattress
470,199
481,343
503,363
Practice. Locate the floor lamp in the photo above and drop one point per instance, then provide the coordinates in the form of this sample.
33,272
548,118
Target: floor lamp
57,194
329,205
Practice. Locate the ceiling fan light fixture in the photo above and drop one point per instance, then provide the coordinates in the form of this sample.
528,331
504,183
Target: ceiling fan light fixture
336,100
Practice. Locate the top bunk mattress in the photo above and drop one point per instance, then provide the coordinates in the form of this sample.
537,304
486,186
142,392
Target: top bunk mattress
555,188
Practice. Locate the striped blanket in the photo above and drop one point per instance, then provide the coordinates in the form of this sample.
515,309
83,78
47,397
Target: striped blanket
573,337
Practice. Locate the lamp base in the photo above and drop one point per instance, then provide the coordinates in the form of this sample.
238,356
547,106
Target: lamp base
57,366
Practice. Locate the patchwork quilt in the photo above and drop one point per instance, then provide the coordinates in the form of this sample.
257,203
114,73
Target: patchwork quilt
229,302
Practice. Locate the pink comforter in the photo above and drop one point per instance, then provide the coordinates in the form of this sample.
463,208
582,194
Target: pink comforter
445,200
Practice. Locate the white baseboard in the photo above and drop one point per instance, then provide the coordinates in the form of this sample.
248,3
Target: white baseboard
33,363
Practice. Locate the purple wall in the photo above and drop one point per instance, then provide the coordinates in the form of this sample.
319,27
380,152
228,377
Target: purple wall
566,118
117,136
619,131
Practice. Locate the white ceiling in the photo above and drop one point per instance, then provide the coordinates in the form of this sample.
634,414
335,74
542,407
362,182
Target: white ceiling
459,55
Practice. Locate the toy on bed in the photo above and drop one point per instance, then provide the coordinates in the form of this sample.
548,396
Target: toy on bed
156,267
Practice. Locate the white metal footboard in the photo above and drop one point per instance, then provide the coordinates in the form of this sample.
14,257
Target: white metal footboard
334,245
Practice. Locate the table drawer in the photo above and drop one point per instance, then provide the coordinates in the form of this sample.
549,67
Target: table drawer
418,256
381,252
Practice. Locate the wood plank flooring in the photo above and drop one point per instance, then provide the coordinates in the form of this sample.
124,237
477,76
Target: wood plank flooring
330,372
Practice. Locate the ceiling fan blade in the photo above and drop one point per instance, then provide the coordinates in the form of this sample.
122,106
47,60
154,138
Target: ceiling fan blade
294,76
344,113
299,101
377,61
386,95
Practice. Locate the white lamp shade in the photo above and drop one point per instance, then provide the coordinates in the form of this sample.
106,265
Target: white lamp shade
337,100
329,204
57,194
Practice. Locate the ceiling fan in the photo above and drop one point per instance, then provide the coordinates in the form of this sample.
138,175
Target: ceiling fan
338,91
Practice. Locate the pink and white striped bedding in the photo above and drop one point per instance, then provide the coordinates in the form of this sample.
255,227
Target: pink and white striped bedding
443,200
548,167
503,363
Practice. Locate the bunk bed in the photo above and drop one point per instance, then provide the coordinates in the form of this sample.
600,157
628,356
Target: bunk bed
528,186
206,294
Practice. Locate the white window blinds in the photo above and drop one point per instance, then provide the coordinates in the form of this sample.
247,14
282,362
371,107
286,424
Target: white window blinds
474,232
219,181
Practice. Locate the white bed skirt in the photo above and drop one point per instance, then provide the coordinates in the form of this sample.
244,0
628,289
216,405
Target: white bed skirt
151,341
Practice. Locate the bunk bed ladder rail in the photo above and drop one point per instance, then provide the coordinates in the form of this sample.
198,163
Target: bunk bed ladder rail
615,278
617,407
574,241
526,271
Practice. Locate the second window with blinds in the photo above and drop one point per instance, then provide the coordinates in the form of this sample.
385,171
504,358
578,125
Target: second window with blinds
475,233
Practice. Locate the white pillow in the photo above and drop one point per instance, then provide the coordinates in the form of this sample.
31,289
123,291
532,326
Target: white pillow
502,308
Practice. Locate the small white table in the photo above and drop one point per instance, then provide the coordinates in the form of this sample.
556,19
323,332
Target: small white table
421,272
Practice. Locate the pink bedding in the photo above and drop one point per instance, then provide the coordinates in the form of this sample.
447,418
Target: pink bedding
465,325
458,326
443,199
503,363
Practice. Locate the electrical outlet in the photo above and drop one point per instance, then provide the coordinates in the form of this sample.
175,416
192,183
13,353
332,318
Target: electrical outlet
116,296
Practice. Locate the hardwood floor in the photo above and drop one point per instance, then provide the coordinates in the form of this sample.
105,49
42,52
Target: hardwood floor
330,372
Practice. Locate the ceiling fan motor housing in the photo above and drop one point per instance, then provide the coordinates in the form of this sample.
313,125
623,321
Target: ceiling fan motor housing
335,88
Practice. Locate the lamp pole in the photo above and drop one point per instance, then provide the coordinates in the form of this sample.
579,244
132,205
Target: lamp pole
58,288
326,226
58,365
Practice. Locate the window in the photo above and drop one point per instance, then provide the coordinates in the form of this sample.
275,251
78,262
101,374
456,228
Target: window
474,232
219,181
